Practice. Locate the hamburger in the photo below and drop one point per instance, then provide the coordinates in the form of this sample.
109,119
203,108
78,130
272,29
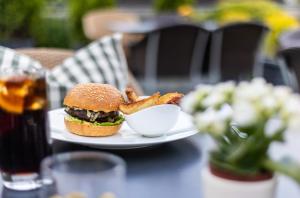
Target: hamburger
92,110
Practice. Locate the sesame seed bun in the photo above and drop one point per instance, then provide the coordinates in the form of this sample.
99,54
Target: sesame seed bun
90,130
95,97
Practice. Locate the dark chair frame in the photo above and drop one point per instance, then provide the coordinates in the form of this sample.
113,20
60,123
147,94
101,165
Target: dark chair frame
289,39
287,68
215,68
152,50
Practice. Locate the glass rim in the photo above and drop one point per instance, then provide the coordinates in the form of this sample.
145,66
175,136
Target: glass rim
118,162
32,71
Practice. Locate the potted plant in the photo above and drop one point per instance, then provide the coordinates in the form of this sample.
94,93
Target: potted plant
244,120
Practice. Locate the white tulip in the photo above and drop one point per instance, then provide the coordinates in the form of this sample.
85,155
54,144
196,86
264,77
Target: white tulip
225,113
204,120
245,114
254,91
273,126
269,105
189,101
226,87
204,88
259,81
213,100
218,128
294,123
282,93
291,106
210,121
245,93
291,112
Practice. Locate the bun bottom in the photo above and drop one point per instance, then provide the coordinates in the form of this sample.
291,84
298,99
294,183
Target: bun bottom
90,130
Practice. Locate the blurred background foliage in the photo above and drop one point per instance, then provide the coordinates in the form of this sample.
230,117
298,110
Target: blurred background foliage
52,32
77,9
171,6
263,11
18,17
49,23
53,29
57,23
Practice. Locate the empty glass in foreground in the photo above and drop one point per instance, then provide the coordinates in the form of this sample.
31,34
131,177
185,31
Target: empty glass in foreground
24,139
83,175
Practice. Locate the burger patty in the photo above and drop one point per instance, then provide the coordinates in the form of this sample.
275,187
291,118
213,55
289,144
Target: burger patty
92,116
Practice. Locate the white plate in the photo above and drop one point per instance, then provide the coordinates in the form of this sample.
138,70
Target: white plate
126,138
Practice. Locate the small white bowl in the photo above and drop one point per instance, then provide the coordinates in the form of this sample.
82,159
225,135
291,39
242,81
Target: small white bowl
154,121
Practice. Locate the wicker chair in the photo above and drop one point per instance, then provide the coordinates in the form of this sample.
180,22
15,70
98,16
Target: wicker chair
50,57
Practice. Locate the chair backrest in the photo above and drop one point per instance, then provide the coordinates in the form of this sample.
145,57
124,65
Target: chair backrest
290,39
50,57
96,23
177,49
291,61
170,51
234,51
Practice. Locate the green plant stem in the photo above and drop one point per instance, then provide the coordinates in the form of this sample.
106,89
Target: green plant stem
242,150
230,168
285,166
254,143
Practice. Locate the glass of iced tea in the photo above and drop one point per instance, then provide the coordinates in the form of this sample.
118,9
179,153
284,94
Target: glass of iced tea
24,139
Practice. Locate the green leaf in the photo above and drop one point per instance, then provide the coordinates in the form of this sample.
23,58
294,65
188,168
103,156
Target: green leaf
217,161
285,166
118,121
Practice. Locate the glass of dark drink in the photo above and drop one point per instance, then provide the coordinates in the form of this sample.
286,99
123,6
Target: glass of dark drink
24,139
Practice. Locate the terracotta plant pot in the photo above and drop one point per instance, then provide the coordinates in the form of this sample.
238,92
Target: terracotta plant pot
217,184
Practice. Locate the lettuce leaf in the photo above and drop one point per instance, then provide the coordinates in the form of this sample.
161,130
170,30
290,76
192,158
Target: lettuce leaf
118,121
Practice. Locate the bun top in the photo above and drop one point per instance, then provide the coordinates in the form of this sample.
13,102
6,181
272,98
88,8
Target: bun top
94,97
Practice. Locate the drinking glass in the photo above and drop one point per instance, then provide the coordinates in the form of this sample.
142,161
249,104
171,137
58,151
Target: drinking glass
24,136
84,175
